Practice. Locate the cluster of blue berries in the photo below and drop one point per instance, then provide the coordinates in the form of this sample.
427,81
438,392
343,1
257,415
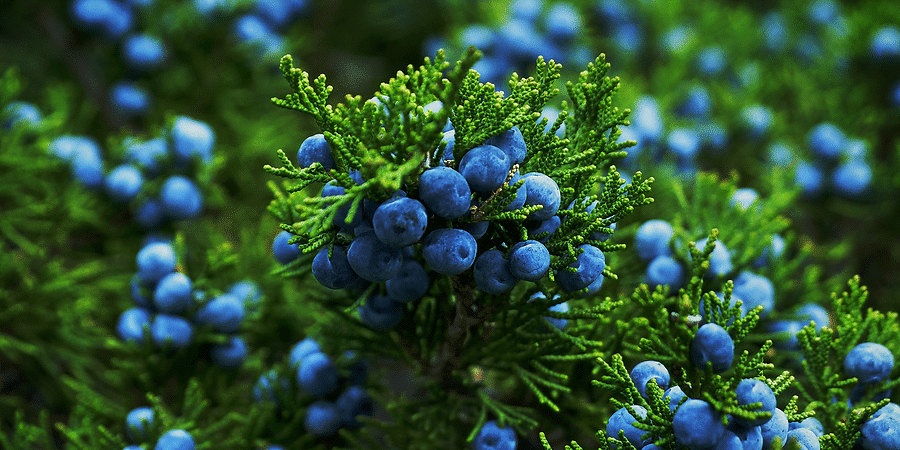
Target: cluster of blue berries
530,30
152,179
336,387
392,238
260,28
170,308
142,53
140,427
835,153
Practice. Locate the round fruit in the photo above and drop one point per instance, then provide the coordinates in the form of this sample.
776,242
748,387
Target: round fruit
449,251
173,293
529,260
697,424
230,354
225,313
623,420
652,239
869,362
353,402
882,430
485,168
192,138
381,312
303,349
317,375
180,198
541,190
284,252
492,273
644,371
751,390
512,143
175,440
372,259
400,222
154,262
410,283
805,437
123,183
315,149
777,426
665,271
138,424
589,266
712,344
445,191
132,323
333,272
172,331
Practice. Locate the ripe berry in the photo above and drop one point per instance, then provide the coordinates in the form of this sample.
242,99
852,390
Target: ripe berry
492,273
652,239
155,261
381,312
225,313
886,43
644,371
180,198
882,430
712,344
230,354
192,138
143,52
674,394
315,149
175,440
664,270
826,140
333,272
697,424
777,426
449,251
400,222
173,293
317,375
852,178
445,191
138,424
129,99
372,259
247,291
563,22
410,283
123,183
149,214
751,390
492,437
755,290
303,349
541,190
484,168
558,323
589,266
809,178
719,259
173,331
683,143
529,260
353,402
512,143
132,323
87,166
546,226
285,253
623,420
757,119
810,423
869,362
805,437
147,155
322,419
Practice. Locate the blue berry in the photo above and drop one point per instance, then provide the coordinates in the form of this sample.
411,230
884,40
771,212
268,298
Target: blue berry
400,222
777,426
589,266
231,354
484,168
225,313
772,252
743,198
173,293
789,330
180,198
138,424
372,259
882,430
87,166
129,99
805,437
809,178
192,139
21,113
341,215
712,344
674,394
521,194
697,104
652,239
563,22
529,260
317,375
147,155
647,119
149,214
449,251
852,178
546,226
755,290
823,12
106,17
869,362
886,43
664,271
812,312
697,424
334,272
353,402
826,140
445,191
644,371
541,190
492,273
175,440
143,52
381,312
123,183
303,349
757,119
410,283
711,61
719,259
141,295
751,390
623,420
315,149
683,143
855,149
492,437
247,291
155,261
171,331
562,308
285,253
255,32
810,423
